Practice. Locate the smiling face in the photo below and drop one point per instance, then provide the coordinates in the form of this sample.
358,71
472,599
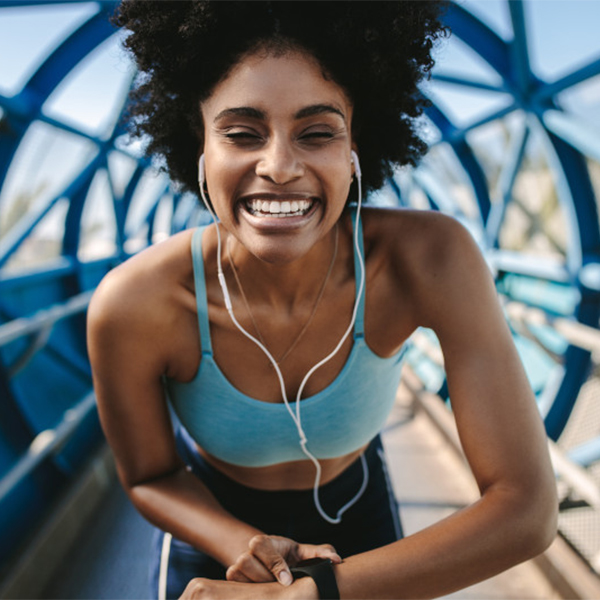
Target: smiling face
277,144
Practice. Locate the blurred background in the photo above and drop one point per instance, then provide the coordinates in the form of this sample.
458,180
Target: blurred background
514,129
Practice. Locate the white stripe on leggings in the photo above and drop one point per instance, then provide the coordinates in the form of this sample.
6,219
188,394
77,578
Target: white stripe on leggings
164,566
391,496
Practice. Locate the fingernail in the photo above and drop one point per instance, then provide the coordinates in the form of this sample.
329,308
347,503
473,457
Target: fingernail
285,578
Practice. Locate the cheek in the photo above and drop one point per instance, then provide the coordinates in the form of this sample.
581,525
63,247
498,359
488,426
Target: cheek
223,174
339,176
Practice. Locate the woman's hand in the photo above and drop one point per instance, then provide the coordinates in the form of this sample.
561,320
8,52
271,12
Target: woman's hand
210,589
269,557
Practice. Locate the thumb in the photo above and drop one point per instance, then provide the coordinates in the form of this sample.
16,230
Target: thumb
284,577
267,550
306,551
279,568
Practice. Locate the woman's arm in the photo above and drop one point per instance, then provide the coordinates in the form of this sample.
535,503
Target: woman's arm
136,321
501,431
499,426
128,339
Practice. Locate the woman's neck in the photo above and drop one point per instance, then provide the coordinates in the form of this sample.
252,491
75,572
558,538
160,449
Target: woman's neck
282,286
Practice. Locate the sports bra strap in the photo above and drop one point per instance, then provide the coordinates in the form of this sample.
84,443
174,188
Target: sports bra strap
200,285
359,324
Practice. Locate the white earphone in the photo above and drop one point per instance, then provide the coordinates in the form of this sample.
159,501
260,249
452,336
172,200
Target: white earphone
296,415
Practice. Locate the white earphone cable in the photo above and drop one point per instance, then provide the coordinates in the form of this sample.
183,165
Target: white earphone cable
296,417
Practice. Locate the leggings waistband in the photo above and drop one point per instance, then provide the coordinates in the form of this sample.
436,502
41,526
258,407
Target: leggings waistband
237,497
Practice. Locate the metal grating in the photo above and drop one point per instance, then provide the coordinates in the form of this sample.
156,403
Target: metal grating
580,525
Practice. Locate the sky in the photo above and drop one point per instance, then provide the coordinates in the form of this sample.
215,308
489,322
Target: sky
562,35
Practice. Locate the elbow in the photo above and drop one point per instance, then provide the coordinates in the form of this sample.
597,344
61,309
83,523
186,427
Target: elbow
549,528
538,525
543,535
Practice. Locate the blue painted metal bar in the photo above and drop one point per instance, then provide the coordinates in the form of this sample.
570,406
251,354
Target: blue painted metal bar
484,40
466,157
577,360
580,75
10,243
468,82
59,267
490,118
506,181
575,131
46,444
49,75
152,207
67,55
42,319
521,67
435,191
20,121
477,177
577,177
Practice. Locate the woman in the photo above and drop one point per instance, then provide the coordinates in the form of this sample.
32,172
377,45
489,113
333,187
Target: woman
278,335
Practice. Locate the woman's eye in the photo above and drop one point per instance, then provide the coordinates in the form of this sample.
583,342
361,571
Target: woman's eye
242,136
317,136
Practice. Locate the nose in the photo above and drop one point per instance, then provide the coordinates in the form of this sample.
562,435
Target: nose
279,163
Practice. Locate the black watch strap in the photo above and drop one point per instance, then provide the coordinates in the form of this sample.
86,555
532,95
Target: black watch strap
321,571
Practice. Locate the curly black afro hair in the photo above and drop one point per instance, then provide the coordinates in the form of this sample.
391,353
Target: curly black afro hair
376,51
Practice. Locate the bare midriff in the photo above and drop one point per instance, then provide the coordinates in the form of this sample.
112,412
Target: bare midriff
295,475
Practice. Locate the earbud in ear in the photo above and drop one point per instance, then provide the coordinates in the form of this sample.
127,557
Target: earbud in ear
356,163
201,170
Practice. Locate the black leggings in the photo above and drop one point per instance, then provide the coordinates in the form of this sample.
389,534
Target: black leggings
372,522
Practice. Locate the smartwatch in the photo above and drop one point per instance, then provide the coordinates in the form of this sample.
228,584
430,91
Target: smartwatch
321,571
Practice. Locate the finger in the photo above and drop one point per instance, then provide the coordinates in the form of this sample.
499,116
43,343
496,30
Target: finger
248,568
263,548
306,551
233,574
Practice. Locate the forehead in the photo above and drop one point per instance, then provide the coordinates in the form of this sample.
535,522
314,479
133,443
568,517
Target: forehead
277,85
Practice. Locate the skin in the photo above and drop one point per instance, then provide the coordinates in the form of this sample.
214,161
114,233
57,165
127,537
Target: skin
422,269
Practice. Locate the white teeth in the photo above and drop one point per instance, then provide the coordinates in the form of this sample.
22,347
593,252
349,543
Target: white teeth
276,208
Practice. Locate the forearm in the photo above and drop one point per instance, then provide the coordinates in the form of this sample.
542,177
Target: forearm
478,542
182,505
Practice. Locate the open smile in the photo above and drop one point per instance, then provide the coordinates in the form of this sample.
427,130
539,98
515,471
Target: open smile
279,208
268,207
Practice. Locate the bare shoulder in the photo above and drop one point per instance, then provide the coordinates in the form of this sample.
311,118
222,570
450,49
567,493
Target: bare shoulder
141,296
416,236
430,254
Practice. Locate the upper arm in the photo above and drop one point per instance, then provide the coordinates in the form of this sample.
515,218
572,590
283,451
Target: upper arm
498,421
128,361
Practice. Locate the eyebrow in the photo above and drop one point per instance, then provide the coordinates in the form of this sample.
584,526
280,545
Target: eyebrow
255,113
318,109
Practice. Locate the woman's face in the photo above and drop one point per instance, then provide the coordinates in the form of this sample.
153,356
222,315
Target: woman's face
277,154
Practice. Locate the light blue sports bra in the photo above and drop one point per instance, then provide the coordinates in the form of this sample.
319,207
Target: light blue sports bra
244,431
